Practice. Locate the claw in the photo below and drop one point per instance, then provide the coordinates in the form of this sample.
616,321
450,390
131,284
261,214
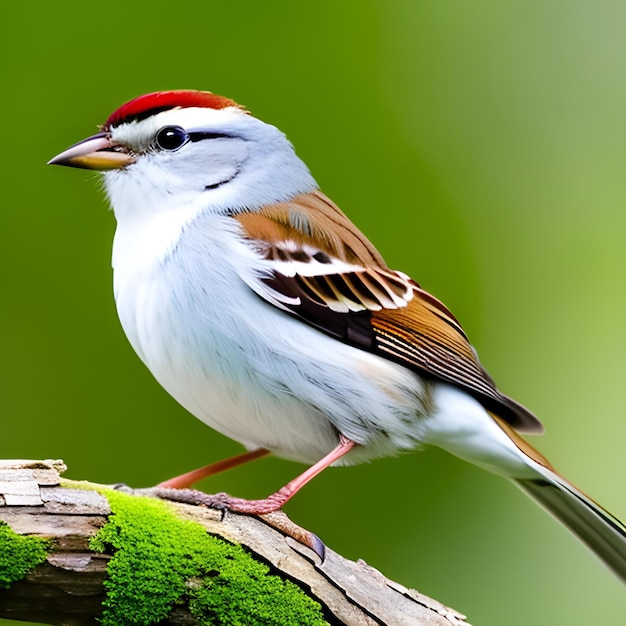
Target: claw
285,526
317,545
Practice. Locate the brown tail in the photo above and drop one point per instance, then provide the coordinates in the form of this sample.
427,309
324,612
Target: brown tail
593,525
597,528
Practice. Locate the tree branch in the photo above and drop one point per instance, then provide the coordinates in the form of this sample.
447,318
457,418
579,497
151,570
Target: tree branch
68,586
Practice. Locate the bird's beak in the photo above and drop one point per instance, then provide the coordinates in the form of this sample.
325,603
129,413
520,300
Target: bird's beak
94,153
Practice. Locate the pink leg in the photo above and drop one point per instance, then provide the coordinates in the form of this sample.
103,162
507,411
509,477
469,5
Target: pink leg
278,499
186,480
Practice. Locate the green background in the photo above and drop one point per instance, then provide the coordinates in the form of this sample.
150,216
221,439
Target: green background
480,144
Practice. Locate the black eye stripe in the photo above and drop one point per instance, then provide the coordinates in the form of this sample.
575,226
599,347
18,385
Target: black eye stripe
172,138
200,135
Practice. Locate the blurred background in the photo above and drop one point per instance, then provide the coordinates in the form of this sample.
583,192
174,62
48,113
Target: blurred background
480,145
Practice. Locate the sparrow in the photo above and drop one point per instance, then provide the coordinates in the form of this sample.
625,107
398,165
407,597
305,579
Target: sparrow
265,312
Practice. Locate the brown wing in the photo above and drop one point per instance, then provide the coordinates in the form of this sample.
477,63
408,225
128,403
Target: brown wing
307,218
331,277
426,337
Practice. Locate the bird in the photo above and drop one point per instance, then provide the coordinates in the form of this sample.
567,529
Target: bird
266,313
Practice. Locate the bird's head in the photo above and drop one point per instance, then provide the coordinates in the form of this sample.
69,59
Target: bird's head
174,148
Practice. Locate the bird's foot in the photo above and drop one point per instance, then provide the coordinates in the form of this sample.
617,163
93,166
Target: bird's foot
225,502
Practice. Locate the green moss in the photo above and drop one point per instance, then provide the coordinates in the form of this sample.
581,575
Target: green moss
160,561
19,554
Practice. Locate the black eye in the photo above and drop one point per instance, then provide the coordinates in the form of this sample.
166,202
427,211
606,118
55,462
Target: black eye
171,138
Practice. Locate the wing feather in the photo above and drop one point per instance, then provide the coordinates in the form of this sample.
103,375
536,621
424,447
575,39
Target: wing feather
327,273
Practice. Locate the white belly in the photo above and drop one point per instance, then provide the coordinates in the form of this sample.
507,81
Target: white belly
253,372
266,379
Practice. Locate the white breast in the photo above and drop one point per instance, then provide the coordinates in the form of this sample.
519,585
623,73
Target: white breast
244,367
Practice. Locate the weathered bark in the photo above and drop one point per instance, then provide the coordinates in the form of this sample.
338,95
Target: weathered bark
68,589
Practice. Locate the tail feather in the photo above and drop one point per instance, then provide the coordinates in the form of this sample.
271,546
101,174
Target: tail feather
593,525
465,429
